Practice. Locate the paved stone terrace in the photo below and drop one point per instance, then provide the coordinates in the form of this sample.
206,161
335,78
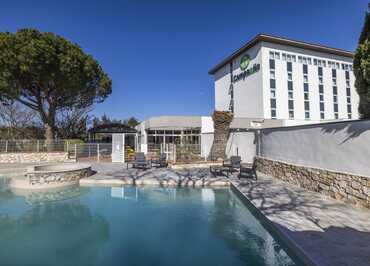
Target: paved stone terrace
117,174
329,231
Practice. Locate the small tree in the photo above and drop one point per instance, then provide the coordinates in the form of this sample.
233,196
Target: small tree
48,74
361,67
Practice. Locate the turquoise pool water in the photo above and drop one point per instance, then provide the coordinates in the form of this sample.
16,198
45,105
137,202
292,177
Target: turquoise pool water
132,226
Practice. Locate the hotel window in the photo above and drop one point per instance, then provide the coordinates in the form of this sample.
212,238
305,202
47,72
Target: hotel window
335,95
271,55
299,59
294,58
277,55
348,95
283,56
309,60
315,61
289,58
305,60
290,90
272,64
272,89
321,93
306,92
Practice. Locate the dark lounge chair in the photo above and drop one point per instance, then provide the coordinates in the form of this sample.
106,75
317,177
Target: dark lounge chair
140,162
161,161
227,167
248,170
233,164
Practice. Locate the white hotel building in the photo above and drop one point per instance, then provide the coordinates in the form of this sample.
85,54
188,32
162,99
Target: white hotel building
273,81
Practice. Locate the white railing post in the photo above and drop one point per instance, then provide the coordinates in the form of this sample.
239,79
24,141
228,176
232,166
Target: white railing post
76,151
6,146
38,146
67,146
98,151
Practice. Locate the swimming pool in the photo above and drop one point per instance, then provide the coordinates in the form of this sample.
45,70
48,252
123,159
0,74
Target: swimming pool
133,226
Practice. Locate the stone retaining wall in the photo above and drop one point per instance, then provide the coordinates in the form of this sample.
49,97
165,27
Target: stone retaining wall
37,179
350,188
33,157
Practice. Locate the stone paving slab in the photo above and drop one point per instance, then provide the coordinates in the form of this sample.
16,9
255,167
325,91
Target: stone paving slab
328,231
117,174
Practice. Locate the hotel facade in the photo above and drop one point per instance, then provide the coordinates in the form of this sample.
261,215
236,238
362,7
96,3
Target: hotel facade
281,82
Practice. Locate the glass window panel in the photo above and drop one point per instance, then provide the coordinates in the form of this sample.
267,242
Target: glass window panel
272,84
290,105
289,76
322,115
321,88
290,85
273,103
307,115
322,107
335,90
272,64
305,69
307,105
321,97
305,87
289,66
319,70
271,55
273,113
335,107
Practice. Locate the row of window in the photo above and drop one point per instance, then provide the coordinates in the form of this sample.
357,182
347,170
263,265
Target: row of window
306,92
309,60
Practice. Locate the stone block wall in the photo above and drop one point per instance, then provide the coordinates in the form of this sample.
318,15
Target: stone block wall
33,157
35,178
350,188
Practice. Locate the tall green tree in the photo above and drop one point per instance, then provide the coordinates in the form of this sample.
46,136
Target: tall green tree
47,73
361,67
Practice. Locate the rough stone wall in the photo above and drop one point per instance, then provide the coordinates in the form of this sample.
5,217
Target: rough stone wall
56,178
350,188
33,157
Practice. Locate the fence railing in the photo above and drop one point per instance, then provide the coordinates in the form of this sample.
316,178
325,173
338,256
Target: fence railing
32,146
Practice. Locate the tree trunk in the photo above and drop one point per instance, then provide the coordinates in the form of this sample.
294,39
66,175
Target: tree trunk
49,137
221,121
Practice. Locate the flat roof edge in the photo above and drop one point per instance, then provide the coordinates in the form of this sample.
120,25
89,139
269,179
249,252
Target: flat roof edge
284,41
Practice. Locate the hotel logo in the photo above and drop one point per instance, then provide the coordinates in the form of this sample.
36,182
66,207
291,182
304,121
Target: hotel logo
244,62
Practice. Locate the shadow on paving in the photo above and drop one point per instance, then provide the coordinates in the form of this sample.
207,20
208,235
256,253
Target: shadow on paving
329,231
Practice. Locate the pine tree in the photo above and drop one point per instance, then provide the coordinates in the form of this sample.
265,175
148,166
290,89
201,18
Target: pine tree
361,67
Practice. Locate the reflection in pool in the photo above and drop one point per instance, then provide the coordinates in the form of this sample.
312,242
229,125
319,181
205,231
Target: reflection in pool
135,226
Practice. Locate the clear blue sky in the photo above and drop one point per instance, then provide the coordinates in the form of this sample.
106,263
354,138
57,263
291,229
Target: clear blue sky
158,53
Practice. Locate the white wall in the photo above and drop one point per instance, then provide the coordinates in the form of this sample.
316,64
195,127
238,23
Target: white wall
206,144
247,93
341,146
242,144
282,90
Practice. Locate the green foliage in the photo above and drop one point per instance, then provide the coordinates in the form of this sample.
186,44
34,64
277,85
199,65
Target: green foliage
48,73
361,67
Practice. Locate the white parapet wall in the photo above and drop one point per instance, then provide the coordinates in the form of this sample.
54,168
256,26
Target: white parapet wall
340,147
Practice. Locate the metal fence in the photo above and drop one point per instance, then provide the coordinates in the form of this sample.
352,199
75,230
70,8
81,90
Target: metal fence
178,152
76,149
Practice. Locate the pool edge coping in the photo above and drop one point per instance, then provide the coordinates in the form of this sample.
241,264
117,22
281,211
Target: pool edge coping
293,248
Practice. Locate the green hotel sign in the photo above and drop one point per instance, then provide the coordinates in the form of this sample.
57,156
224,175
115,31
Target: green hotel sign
244,64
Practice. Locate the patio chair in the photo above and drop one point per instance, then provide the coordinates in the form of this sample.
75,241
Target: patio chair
233,164
140,162
227,167
161,161
248,170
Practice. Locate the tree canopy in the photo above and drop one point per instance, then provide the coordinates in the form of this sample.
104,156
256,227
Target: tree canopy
361,67
49,74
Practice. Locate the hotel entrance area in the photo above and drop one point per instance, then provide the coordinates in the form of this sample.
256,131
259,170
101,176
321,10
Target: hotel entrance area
177,136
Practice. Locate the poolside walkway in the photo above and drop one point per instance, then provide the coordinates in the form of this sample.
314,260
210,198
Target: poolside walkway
110,174
328,231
